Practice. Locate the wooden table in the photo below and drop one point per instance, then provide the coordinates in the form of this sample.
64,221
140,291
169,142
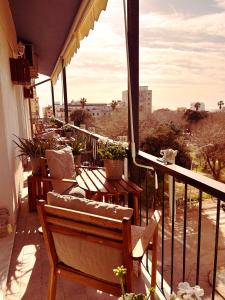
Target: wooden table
95,182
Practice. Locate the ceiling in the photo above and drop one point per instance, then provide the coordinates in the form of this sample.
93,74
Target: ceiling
45,24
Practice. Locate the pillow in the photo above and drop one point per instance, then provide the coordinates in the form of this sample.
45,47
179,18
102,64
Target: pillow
89,206
61,165
48,135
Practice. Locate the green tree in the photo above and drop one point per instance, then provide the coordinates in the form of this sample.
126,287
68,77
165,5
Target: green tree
220,104
81,116
193,116
197,105
83,102
114,104
167,136
209,136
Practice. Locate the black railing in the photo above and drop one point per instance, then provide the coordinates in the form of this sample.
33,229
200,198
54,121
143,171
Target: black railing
190,233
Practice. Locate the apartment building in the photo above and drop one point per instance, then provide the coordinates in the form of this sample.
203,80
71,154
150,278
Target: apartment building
145,101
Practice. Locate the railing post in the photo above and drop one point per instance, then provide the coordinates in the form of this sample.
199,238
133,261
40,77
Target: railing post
65,94
133,53
53,98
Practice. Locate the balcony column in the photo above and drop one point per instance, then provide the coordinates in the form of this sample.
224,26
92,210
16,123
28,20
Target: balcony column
65,95
133,52
53,98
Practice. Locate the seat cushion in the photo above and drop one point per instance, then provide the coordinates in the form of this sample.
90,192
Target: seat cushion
61,165
90,206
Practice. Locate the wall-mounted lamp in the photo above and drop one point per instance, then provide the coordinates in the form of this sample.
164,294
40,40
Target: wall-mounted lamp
20,49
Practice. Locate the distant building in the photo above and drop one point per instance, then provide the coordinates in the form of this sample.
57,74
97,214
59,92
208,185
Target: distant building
96,109
145,101
201,107
181,109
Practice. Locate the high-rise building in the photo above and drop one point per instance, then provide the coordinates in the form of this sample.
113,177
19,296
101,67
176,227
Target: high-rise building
145,101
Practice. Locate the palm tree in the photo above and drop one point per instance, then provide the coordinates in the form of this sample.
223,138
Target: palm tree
114,104
83,102
197,105
220,104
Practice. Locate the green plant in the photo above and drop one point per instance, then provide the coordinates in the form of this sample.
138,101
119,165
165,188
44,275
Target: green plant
28,147
111,149
34,147
120,272
77,144
67,128
52,119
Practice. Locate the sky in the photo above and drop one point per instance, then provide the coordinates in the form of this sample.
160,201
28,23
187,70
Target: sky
182,55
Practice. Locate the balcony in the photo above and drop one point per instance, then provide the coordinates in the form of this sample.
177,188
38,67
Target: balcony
191,242
191,237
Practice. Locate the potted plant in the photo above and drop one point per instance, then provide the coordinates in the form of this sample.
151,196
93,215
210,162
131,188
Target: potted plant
113,154
77,144
67,130
34,148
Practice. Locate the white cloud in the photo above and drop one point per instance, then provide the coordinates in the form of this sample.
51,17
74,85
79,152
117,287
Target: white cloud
181,55
220,3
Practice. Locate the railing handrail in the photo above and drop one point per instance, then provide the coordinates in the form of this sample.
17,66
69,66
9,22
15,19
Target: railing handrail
87,132
208,185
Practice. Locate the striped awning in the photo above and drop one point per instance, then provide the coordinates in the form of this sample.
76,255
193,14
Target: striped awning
88,13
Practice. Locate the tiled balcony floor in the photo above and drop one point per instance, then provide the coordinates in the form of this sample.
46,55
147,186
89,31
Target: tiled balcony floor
29,268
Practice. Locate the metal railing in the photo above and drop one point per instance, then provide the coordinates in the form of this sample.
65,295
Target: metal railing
190,230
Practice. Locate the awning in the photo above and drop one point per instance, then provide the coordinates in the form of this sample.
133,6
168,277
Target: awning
89,13
55,28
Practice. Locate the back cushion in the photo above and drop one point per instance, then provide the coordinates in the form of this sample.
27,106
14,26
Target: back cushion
89,206
61,165
91,258
95,259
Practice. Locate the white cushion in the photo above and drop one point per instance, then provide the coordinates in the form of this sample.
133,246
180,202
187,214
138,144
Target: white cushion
90,206
61,165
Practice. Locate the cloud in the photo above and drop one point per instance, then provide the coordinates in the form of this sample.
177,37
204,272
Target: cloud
220,3
188,8
182,46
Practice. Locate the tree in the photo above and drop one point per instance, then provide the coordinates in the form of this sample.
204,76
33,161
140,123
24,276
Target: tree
81,116
113,125
197,105
193,116
167,136
83,102
220,104
114,104
210,138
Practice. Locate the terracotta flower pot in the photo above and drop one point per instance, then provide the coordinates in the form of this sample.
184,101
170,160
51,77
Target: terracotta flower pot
35,165
114,168
77,159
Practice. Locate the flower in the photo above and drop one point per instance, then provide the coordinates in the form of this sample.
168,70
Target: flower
121,272
185,291
108,149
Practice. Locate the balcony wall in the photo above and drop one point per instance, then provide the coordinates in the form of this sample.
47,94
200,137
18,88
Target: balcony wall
13,116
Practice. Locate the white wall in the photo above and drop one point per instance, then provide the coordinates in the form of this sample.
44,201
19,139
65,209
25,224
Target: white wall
13,117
